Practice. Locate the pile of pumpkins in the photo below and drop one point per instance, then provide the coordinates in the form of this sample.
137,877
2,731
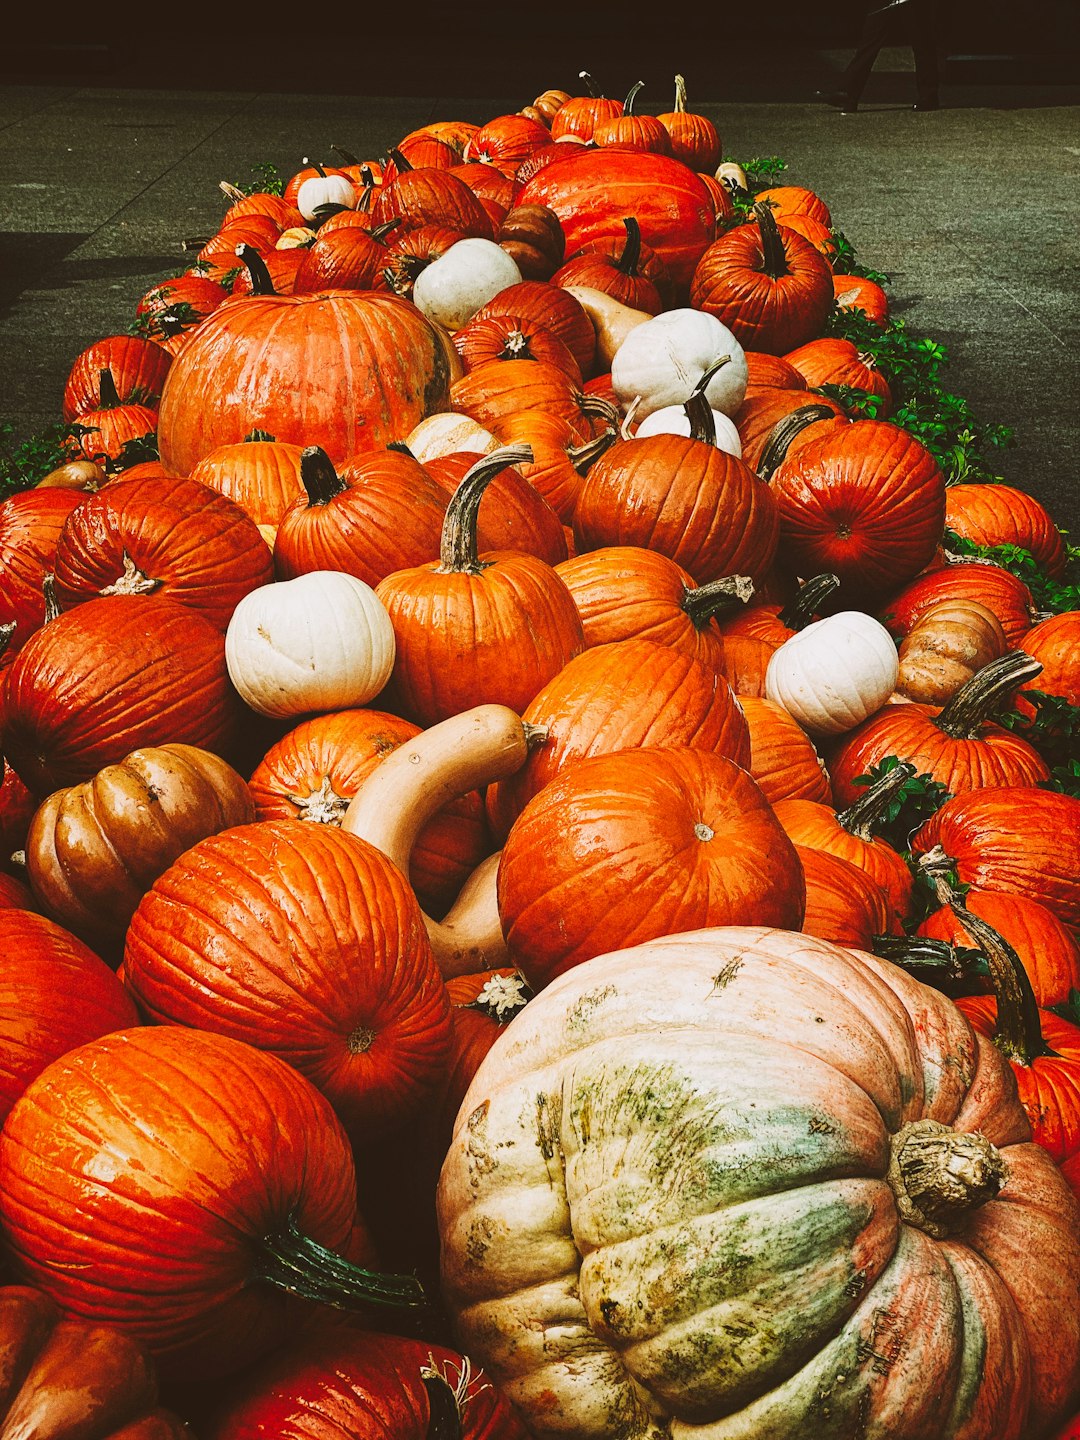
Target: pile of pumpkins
440,991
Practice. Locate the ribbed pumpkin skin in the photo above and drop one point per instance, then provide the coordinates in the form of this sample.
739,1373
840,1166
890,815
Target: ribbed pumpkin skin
699,506
1049,954
1002,515
138,368
347,370
815,825
1001,592
1055,643
366,1386
1025,842
623,848
109,676
313,772
95,849
202,549
30,525
427,196
763,312
554,308
833,361
658,1239
619,697
591,190
865,501
783,759
138,1174
513,514
262,476
306,942
995,757
843,904
55,994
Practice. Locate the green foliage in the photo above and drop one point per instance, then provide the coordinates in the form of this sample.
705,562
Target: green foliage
940,420
24,462
1053,596
259,435
1069,1009
265,181
846,262
1054,731
913,803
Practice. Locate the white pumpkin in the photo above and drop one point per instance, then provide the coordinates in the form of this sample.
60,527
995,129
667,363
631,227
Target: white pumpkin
833,675
318,643
446,434
318,191
452,288
664,358
673,420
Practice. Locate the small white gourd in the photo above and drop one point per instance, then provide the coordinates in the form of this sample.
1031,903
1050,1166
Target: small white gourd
470,273
319,191
673,420
835,673
663,359
320,642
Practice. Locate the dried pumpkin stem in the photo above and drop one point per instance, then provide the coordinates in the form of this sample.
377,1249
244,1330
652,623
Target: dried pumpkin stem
318,476
862,815
967,711
584,456
458,551
698,409
773,256
298,1264
812,595
778,441
939,1175
680,95
705,601
630,259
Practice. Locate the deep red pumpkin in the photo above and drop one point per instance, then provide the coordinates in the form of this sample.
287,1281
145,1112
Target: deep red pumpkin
113,674
148,1179
347,370
138,368
30,525
308,943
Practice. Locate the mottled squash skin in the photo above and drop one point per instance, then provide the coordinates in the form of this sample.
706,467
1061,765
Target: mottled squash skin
677,1206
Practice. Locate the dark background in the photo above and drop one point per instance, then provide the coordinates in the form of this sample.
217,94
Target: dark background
478,47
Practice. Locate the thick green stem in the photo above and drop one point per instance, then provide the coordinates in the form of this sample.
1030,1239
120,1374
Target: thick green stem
966,713
812,594
319,478
1018,1033
773,258
296,1263
109,395
863,814
590,84
702,603
255,265
778,441
630,258
458,551
632,94
930,960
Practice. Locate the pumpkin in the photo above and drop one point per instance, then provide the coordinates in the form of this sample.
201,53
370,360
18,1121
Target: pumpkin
514,515
559,462
506,337
1055,643
1012,838
137,368
630,131
834,673
620,270
348,258
1002,593
785,200
30,525
58,1371
94,849
262,476
783,759
532,236
866,501
578,116
306,942
625,847
957,746
109,676
767,284
621,696
55,994
831,360
372,1387
320,642
555,309
856,292
428,195
408,255
471,632
313,772
843,904
174,538
676,1203
694,138
774,421
451,289
1001,515
347,370
945,648
187,1187
662,359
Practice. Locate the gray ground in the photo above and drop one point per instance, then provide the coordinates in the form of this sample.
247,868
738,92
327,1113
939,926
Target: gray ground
972,210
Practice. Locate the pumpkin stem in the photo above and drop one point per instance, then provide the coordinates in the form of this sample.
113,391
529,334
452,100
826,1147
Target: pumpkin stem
110,396
323,806
628,103
939,1175
1018,1032
255,265
630,259
230,191
444,1417
367,177
516,347
966,713
702,603
584,456
863,814
400,448
458,552
778,441
298,1264
584,75
131,581
773,257
7,630
52,605
596,405
320,479
400,161
698,409
346,155
812,594
930,960
680,95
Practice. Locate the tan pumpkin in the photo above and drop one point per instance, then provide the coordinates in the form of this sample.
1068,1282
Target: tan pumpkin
95,849
945,647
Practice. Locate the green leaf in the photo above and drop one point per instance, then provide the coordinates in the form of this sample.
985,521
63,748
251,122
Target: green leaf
24,462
